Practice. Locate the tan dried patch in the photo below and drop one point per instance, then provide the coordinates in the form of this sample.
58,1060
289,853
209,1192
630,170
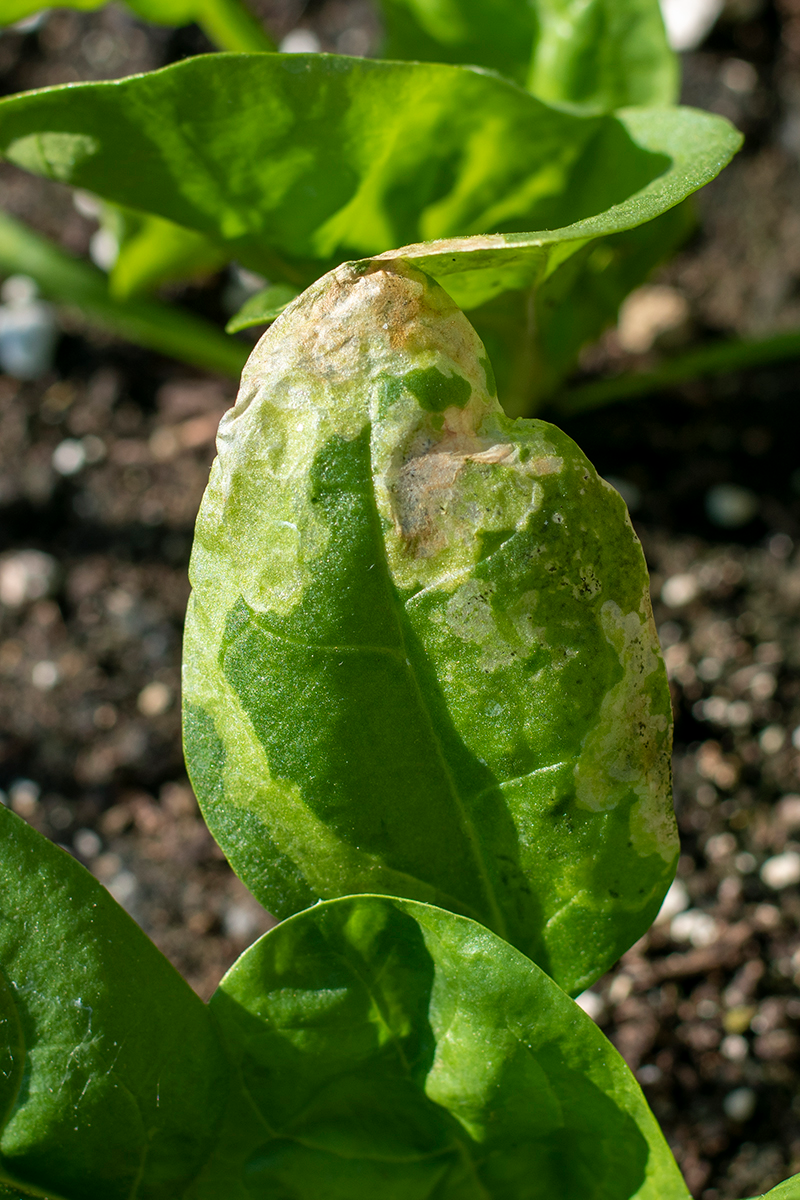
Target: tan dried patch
425,487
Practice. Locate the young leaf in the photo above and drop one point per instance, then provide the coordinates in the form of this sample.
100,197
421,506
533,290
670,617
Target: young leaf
419,655
112,1077
326,158
263,307
158,251
80,285
391,1049
600,56
227,23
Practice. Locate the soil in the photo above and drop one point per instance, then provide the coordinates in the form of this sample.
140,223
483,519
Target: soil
706,1008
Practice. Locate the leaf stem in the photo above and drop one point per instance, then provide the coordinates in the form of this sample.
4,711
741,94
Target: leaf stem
715,359
71,282
230,25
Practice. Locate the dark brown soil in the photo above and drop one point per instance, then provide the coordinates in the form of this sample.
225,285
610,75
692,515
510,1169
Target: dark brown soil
706,1008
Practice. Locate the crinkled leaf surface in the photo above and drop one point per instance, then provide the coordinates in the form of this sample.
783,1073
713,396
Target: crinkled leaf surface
391,1049
299,161
420,658
597,54
112,1077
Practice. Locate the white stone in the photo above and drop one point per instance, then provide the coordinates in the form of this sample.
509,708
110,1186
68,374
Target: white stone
675,901
740,1104
694,926
679,590
782,870
688,21
154,699
592,1004
730,506
301,41
69,457
734,1047
44,675
26,575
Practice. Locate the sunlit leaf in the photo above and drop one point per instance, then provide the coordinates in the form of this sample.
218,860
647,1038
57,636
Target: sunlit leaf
390,1049
113,1077
595,54
419,656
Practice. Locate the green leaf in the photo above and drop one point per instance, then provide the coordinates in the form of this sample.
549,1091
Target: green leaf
419,654
118,1079
391,1049
227,23
158,251
77,284
788,1190
297,162
598,55
263,307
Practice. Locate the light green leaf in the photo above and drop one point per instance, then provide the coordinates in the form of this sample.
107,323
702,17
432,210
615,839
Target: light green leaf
79,285
419,655
390,1049
788,1190
118,1079
227,23
263,307
158,251
299,161
597,55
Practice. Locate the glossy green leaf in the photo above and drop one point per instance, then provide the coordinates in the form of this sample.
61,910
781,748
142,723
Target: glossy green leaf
419,656
299,161
158,251
263,307
599,55
788,1190
390,1049
533,336
228,23
117,1079
79,285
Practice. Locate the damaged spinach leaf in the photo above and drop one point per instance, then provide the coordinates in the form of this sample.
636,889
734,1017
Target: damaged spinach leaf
419,655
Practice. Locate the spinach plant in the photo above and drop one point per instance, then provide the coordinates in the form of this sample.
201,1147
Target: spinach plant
428,721
564,147
425,711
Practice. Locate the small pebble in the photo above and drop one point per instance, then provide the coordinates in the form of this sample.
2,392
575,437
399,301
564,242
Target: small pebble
675,901
87,844
740,1104
782,870
734,1047
730,506
300,41
23,796
44,675
25,576
694,926
772,739
69,457
679,590
154,699
592,1004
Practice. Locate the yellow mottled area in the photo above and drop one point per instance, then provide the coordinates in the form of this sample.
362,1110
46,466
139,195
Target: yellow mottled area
627,750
